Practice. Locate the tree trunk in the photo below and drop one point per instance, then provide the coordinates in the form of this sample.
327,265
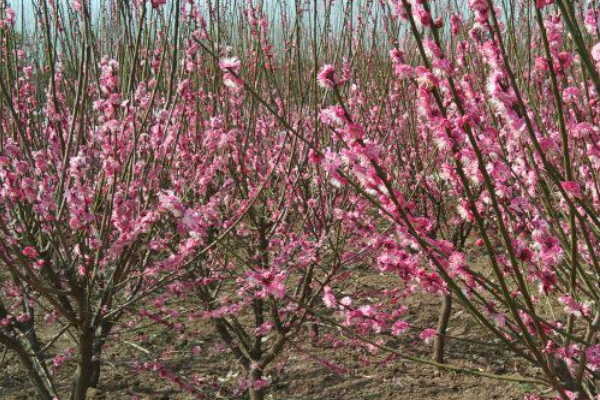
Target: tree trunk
85,368
28,351
24,342
99,342
256,394
38,375
440,339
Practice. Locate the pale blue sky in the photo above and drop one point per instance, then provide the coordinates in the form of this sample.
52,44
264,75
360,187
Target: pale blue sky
26,8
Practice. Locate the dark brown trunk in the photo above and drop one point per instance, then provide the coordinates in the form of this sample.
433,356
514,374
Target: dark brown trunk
99,342
440,339
256,394
84,373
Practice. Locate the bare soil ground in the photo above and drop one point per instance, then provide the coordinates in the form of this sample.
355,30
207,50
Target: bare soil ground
364,376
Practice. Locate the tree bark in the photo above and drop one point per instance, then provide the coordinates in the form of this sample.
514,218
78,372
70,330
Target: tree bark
440,339
100,340
84,373
38,375
27,347
255,394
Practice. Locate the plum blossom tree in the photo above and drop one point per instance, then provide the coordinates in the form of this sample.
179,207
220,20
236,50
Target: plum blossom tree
260,166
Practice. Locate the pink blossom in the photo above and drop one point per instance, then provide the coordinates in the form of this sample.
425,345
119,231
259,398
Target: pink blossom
346,301
326,77
329,298
573,188
261,383
399,328
158,3
10,17
171,203
78,5
592,354
231,63
543,3
428,335
30,251
479,5
573,307
271,282
596,52
264,329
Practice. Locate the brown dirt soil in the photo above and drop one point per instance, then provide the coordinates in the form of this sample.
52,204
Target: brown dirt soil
380,377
